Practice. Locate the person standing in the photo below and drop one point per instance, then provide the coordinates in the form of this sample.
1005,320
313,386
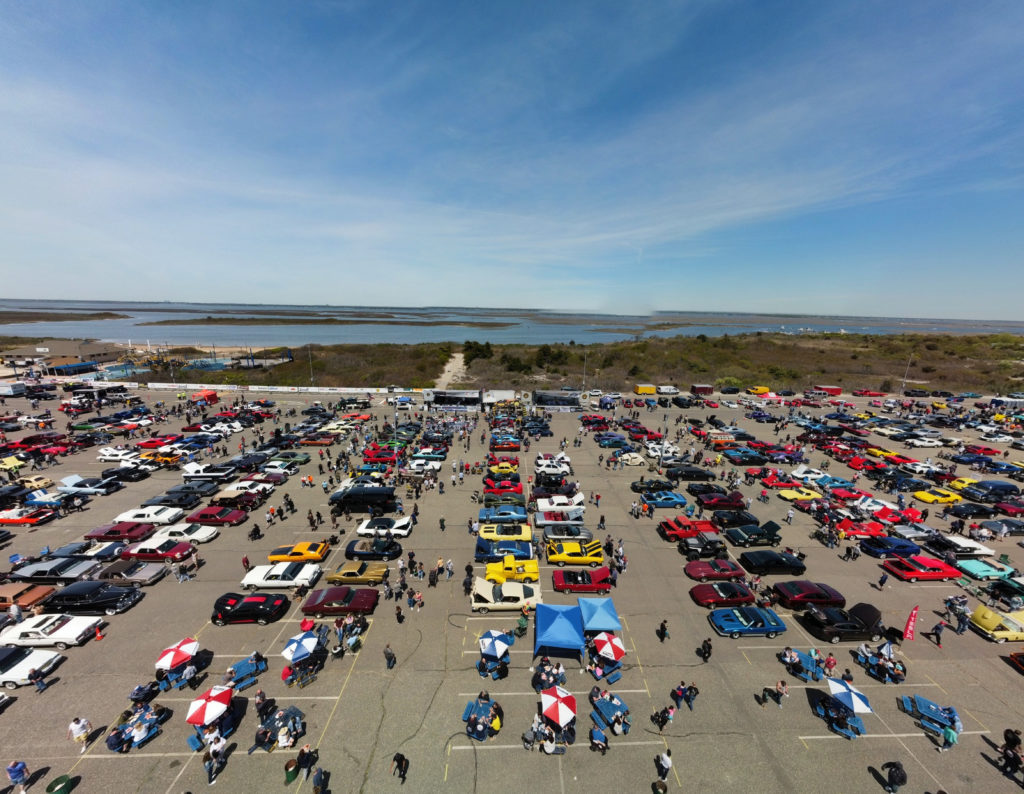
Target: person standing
389,656
789,516
949,738
37,677
936,633
245,563
663,763
78,731
896,776
691,695
663,631
15,613
210,765
18,774
400,766
881,582
705,650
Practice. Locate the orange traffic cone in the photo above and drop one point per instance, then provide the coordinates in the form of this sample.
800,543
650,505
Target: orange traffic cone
99,634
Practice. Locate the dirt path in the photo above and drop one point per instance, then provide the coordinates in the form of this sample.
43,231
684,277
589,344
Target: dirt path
454,371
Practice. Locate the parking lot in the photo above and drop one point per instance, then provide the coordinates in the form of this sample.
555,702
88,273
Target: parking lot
359,714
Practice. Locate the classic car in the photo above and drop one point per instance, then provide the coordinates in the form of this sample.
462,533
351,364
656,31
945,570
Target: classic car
92,598
754,535
703,570
159,550
722,594
261,608
382,526
506,597
357,572
859,622
884,546
575,553
595,581
306,551
57,631
151,515
800,594
772,562
919,568
739,622
340,600
282,574
17,663
373,549
217,516
134,573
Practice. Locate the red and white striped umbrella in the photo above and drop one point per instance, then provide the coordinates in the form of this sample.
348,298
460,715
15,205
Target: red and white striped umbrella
209,706
177,654
609,646
558,705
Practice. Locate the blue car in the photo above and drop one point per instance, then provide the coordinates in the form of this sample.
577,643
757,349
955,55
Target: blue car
746,622
495,550
503,514
611,443
970,459
999,467
884,547
833,482
664,499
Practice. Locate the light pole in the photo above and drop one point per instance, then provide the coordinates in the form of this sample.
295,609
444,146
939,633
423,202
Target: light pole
906,372
309,350
585,370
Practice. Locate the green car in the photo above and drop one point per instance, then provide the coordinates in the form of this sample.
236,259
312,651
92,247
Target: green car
291,456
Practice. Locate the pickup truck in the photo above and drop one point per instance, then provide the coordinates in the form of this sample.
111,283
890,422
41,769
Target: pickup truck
680,527
214,472
512,569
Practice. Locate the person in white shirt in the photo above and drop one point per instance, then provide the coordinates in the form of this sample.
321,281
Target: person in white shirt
664,764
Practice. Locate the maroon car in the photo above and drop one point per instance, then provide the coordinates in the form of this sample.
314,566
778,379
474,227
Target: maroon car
722,594
595,581
341,601
801,594
166,551
702,570
123,531
272,477
717,501
1013,509
217,516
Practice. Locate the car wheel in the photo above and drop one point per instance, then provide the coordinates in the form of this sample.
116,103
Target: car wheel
10,685
110,611
703,578
912,580
483,610
218,621
770,635
735,635
834,639
250,587
561,564
62,646
874,637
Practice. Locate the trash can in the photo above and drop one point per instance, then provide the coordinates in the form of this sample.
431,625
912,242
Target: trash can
61,785
291,771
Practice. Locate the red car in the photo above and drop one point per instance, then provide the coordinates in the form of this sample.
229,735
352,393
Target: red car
27,516
160,441
1014,509
861,529
123,531
319,440
381,456
859,463
509,445
775,481
675,529
800,594
702,570
171,550
217,516
848,494
717,501
513,460
868,393
722,594
503,486
918,568
901,460
595,581
341,601
981,449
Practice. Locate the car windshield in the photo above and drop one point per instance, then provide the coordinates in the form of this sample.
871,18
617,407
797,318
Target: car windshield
740,617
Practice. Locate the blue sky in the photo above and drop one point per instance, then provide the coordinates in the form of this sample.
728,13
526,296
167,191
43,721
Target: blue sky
839,158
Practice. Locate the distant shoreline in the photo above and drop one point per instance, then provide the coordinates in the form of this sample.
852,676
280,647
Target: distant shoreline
371,320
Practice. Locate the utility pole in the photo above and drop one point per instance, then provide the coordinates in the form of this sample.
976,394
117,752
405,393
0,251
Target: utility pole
309,349
906,372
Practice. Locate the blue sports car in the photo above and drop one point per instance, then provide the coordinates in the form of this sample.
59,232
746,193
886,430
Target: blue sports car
739,622
495,550
664,499
833,482
503,514
885,547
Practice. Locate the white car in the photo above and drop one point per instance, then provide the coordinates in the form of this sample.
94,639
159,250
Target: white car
15,664
631,459
281,467
918,468
613,395
152,515
595,392
422,466
114,455
888,431
188,533
924,442
379,527
806,473
550,467
559,457
282,574
251,486
52,631
998,438
506,597
559,503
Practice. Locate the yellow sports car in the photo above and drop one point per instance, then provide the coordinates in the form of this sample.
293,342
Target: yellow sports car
506,532
799,495
358,572
940,496
504,468
885,453
573,552
307,551
878,452
961,482
938,405
163,458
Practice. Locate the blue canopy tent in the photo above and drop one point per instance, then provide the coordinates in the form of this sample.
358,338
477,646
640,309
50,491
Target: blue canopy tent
599,614
558,631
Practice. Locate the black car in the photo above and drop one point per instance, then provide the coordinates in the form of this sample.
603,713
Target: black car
690,473
186,501
723,519
769,562
647,486
373,549
105,485
92,598
261,608
703,545
729,390
698,488
125,474
972,510
682,402
249,462
859,622
201,488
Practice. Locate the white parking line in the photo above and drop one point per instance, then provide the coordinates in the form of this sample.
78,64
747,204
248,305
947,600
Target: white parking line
535,694
583,745
921,734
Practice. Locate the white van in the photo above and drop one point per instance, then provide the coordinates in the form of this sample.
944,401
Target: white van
668,390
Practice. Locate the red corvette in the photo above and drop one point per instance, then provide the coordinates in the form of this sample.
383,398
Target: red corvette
680,527
801,594
217,516
161,441
859,463
981,449
775,481
503,486
703,570
582,581
1014,509
722,594
918,568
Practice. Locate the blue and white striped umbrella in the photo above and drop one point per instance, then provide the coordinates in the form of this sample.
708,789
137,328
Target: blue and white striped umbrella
495,644
300,647
848,695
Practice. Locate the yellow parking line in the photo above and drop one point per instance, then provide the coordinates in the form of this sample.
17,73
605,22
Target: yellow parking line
982,724
747,658
944,692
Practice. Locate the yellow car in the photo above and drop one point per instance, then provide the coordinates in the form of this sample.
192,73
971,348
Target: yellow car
997,626
511,569
885,453
938,405
878,452
758,390
940,496
35,483
961,482
163,458
307,551
506,532
504,468
799,495
11,463
573,552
